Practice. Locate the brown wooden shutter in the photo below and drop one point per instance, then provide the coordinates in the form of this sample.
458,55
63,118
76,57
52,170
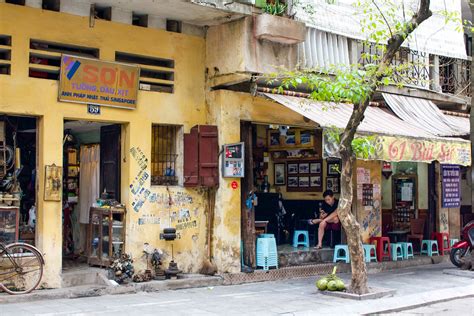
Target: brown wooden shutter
208,156
191,153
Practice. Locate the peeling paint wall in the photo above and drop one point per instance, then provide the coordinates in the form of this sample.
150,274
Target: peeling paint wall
21,95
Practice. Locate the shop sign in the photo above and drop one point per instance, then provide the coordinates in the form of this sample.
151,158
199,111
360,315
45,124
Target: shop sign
233,161
451,186
390,148
91,81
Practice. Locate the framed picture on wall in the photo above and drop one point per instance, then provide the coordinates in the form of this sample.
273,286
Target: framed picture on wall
315,181
333,185
292,168
280,173
303,182
315,167
274,138
303,168
292,182
53,183
334,167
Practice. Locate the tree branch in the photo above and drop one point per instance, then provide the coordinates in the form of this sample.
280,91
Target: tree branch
383,16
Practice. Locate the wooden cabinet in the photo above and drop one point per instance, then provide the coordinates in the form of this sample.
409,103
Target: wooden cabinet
9,224
106,235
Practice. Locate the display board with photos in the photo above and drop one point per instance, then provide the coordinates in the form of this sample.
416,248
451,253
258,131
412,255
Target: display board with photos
333,175
304,176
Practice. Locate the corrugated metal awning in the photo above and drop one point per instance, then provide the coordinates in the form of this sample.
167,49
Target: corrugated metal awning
328,114
426,115
395,139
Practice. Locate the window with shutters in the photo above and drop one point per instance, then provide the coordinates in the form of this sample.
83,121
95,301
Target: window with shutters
166,157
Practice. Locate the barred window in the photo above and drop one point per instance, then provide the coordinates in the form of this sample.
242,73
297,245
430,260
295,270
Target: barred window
166,155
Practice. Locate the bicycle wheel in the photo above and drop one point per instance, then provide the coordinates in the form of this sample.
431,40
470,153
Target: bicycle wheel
21,268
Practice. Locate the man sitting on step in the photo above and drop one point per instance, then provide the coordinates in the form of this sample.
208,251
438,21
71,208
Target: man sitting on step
327,215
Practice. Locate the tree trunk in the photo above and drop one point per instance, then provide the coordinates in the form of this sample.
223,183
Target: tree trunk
348,220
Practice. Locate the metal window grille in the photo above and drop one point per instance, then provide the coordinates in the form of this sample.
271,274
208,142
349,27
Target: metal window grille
164,155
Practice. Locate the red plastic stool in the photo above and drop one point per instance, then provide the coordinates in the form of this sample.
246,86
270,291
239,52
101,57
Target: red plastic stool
379,245
444,243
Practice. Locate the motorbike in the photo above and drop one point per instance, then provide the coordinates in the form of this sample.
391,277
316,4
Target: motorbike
463,247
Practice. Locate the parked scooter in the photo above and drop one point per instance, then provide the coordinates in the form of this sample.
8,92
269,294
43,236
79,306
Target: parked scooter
464,246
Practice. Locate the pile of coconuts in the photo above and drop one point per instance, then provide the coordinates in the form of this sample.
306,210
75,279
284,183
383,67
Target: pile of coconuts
331,282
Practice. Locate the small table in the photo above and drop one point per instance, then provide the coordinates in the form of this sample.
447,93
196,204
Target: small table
398,235
261,227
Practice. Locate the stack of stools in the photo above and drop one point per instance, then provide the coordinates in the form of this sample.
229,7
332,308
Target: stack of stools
397,251
443,242
429,247
267,255
407,250
296,238
370,253
382,245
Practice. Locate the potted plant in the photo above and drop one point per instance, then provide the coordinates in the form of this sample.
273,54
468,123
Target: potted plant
275,26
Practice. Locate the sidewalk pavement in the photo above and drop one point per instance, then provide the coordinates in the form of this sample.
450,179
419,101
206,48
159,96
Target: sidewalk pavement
415,287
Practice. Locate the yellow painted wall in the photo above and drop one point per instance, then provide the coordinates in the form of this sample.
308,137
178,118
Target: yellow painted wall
21,95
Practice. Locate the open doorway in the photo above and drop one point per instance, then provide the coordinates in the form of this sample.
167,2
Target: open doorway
91,178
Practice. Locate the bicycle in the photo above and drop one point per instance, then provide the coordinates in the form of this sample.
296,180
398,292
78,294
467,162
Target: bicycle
21,268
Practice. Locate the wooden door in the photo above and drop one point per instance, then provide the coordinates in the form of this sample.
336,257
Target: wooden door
110,160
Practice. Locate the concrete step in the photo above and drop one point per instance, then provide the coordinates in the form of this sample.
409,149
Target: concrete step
84,276
290,256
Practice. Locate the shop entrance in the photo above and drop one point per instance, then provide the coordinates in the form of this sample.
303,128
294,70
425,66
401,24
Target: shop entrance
285,177
91,178
18,166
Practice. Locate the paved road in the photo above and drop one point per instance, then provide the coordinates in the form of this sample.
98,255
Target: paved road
288,297
458,307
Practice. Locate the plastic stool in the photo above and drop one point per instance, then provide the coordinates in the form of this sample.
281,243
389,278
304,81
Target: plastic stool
397,251
296,238
453,241
368,253
443,242
407,250
383,247
430,244
345,256
267,255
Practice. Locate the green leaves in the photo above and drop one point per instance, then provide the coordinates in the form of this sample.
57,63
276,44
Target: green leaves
363,146
276,8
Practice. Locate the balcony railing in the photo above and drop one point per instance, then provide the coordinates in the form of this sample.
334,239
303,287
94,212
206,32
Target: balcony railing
455,76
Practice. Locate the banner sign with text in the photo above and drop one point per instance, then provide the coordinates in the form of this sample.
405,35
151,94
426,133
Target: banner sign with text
451,186
91,81
391,148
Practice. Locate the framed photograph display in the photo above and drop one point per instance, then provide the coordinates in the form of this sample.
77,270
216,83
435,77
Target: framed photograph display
303,168
304,176
280,173
292,182
334,168
333,184
53,183
292,168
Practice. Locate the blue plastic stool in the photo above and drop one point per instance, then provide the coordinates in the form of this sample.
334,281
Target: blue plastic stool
368,253
345,256
267,255
296,238
397,251
407,250
430,244
452,242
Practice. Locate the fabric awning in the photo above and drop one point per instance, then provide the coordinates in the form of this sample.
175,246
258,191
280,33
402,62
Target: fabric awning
426,115
397,140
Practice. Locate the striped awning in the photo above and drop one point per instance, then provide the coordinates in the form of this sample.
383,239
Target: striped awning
396,139
426,115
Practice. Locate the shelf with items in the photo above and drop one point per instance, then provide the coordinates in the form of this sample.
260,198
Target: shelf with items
292,139
106,235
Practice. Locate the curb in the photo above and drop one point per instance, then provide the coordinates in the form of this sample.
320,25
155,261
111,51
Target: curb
95,290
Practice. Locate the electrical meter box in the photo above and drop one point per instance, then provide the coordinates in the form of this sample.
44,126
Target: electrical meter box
233,160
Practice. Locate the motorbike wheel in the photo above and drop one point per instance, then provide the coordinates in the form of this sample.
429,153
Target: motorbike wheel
456,256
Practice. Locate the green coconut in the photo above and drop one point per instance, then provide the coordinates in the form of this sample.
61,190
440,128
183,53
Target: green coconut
322,284
332,286
340,285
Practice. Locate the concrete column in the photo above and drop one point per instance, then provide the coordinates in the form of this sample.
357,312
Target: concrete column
73,7
33,3
434,74
121,16
156,22
49,213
